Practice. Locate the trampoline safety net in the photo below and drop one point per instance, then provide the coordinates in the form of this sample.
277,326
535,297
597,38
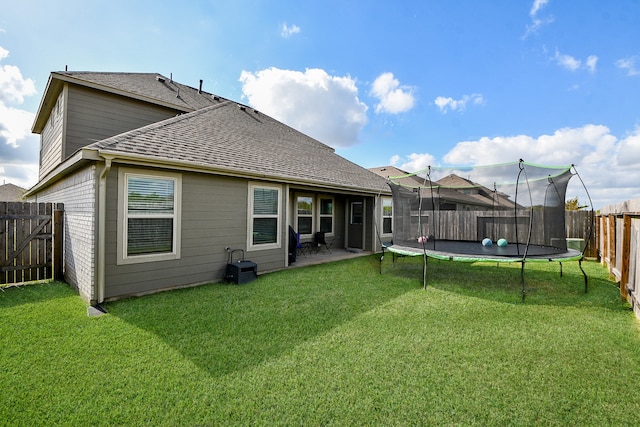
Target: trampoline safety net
454,209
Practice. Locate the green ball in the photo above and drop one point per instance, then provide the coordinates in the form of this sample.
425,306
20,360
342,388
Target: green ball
502,243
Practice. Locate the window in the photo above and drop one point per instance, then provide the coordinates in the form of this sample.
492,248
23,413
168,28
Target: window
387,215
149,220
264,217
313,213
326,215
357,213
305,214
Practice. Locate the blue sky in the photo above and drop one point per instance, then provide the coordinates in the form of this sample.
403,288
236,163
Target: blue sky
408,83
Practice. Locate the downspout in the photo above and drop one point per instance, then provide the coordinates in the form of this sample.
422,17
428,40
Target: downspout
287,223
102,212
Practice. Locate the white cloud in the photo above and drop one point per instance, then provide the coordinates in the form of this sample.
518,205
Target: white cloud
565,146
18,147
609,167
567,62
414,161
324,107
13,87
570,63
629,64
288,31
537,5
15,124
537,22
591,63
447,103
629,150
393,98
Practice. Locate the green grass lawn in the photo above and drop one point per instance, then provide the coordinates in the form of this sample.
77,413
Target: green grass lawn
336,344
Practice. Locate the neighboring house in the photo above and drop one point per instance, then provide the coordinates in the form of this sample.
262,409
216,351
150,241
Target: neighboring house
477,195
452,193
11,193
158,179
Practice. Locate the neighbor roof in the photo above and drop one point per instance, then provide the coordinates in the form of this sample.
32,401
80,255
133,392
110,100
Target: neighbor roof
483,197
236,139
11,193
447,195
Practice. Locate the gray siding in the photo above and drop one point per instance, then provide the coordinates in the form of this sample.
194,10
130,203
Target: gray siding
78,193
93,116
51,138
214,216
369,225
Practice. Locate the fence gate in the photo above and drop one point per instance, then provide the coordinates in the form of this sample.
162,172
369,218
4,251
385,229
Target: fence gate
30,241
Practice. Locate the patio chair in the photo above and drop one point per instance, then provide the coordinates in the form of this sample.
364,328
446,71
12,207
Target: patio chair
301,247
296,247
320,241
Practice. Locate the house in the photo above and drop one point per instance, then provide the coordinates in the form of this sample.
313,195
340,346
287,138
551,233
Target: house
478,196
11,193
452,193
160,180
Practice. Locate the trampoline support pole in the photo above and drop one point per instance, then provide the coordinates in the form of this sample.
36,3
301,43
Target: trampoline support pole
586,281
522,280
560,268
424,272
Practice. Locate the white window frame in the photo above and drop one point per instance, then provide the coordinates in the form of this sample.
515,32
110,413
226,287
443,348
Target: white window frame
312,215
250,217
351,215
321,215
123,179
383,216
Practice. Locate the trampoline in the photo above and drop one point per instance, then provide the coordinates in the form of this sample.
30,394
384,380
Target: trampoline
512,212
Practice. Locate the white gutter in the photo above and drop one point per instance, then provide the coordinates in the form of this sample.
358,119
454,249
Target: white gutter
101,245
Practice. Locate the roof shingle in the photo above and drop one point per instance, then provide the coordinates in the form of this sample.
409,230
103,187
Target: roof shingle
238,139
151,86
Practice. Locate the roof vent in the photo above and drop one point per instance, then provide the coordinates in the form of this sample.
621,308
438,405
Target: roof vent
215,97
160,79
242,107
200,87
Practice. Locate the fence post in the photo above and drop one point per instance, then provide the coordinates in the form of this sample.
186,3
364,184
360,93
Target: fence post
611,244
626,250
58,239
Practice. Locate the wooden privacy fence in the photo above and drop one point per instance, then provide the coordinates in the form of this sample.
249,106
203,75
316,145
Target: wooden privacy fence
475,225
30,241
618,241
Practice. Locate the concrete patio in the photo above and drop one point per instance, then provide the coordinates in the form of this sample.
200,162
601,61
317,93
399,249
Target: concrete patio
312,257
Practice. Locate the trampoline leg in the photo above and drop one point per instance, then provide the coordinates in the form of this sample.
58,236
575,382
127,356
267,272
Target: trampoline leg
522,280
424,272
586,281
560,268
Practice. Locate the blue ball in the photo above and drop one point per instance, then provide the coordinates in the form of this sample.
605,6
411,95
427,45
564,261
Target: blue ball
502,243
487,242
